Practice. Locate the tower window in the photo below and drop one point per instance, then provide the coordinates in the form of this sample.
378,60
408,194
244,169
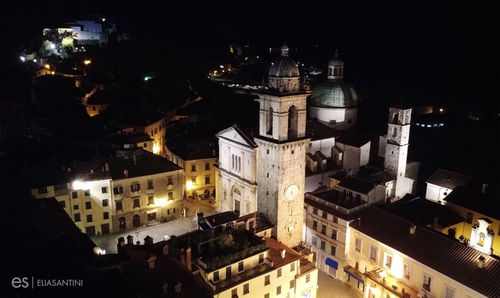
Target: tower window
394,132
395,118
269,121
293,117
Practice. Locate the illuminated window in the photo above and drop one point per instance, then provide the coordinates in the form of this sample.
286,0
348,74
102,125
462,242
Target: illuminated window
387,261
427,282
373,253
357,244
481,239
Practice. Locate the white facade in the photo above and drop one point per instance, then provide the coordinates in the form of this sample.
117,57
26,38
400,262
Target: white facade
354,157
237,181
396,149
338,118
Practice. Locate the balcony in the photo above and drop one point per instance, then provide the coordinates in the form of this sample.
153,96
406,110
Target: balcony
390,284
258,270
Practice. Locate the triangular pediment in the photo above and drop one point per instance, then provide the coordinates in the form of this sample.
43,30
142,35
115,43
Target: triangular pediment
235,134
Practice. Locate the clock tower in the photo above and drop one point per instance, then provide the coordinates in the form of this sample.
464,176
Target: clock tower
282,148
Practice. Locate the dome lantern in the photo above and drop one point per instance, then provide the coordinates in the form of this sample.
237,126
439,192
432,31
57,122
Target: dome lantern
336,68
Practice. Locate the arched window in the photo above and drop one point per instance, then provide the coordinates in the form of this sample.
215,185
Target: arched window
293,117
269,121
395,118
481,239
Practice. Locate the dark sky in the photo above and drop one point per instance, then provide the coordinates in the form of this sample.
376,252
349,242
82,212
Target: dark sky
436,49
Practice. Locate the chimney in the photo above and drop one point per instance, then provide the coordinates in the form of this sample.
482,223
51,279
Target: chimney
120,245
134,158
148,240
481,261
106,166
165,249
484,186
188,258
125,173
413,229
283,253
130,239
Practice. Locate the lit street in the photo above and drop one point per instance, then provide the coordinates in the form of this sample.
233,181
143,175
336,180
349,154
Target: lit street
329,287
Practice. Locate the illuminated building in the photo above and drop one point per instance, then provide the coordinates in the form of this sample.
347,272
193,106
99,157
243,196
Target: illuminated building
442,182
391,257
477,204
129,190
334,102
198,161
261,267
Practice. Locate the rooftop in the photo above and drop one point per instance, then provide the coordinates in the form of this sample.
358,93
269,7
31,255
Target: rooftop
335,200
144,163
448,179
432,249
319,131
355,138
197,148
221,218
471,197
357,184
424,212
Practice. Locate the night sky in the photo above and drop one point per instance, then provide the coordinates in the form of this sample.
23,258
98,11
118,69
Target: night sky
421,52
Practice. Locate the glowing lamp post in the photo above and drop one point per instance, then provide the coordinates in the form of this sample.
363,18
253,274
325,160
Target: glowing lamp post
156,148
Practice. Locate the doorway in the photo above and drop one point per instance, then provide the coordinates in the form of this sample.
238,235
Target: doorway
122,223
136,221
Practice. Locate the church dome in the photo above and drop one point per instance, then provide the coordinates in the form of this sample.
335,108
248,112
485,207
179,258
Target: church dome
334,94
284,66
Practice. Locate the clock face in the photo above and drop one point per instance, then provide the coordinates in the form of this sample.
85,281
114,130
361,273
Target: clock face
291,192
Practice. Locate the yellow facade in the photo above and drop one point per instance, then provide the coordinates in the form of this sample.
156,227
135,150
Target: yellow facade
396,269
471,216
261,277
200,176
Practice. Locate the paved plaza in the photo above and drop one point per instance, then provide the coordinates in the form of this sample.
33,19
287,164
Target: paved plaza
329,287
158,231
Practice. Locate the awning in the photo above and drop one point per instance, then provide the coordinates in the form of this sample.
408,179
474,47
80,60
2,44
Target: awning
346,270
332,263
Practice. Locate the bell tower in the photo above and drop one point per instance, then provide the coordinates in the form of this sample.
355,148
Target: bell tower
281,152
396,148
